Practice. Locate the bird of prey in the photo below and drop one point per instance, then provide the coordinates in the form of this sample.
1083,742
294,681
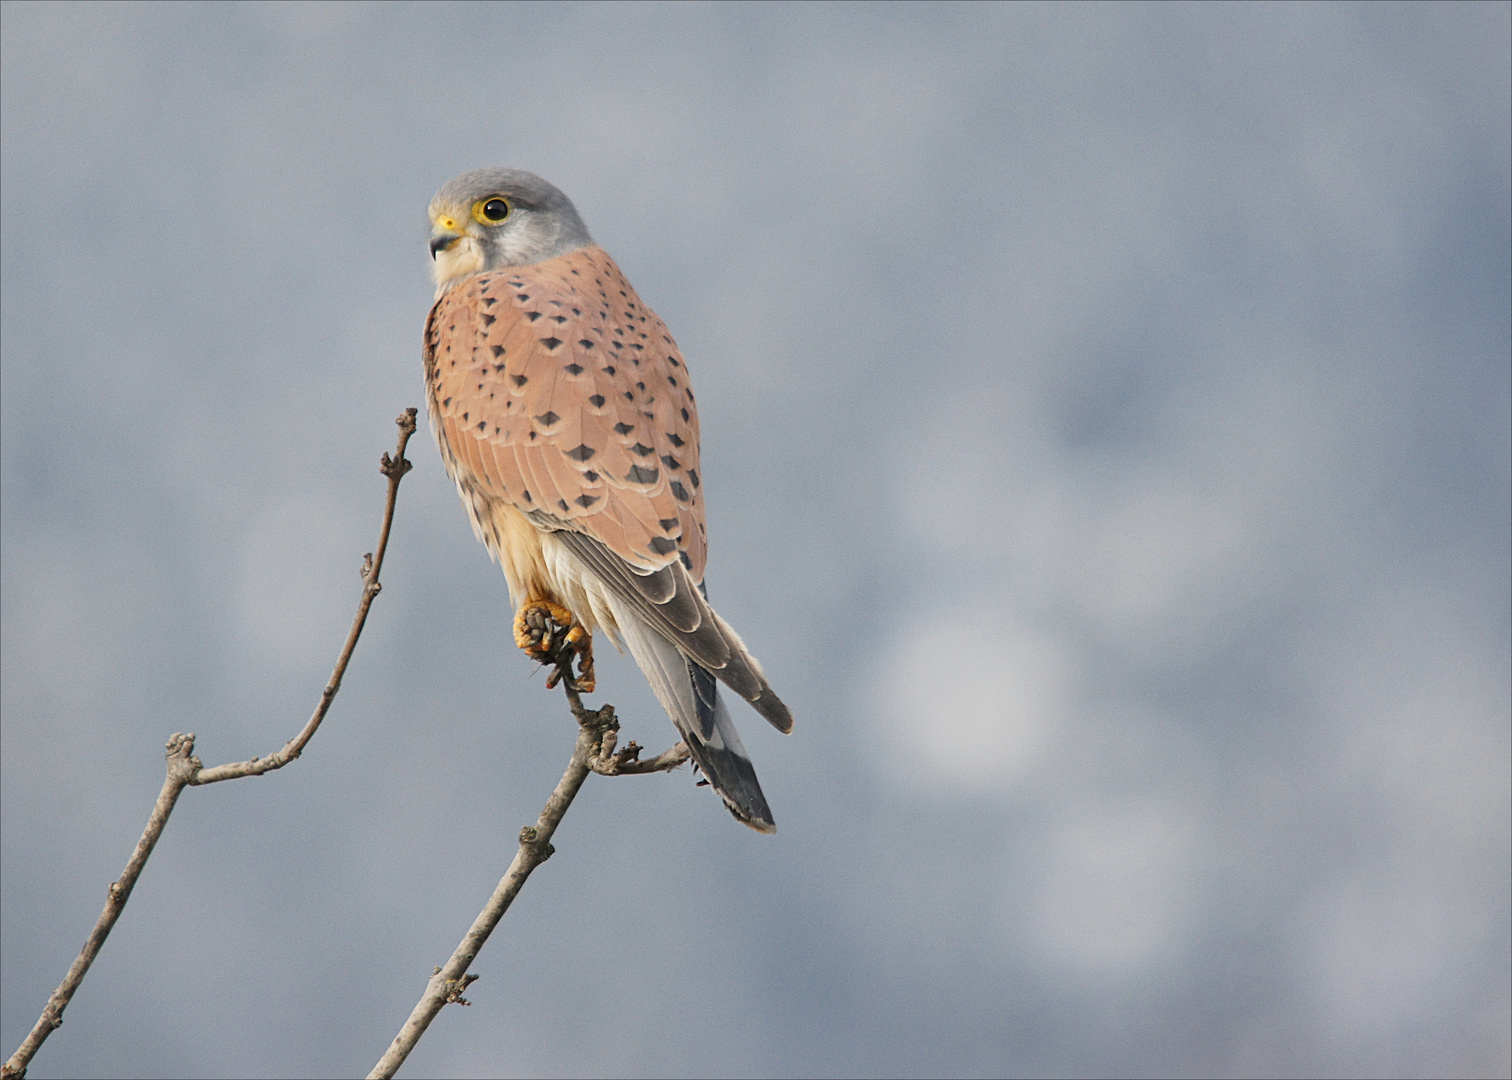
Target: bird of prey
564,415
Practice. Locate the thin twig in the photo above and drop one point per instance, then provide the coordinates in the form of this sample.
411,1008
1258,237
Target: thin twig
182,766
394,469
184,770
593,752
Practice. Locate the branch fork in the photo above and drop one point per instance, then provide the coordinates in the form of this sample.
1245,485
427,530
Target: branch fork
603,727
186,770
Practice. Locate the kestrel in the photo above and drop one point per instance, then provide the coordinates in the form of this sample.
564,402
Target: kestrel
563,411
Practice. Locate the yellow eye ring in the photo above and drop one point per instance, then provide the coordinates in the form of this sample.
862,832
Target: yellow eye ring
491,211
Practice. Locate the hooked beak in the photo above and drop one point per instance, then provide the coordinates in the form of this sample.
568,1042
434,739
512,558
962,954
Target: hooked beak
442,241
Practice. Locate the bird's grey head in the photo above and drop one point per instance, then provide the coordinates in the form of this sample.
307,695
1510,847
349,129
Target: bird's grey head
489,218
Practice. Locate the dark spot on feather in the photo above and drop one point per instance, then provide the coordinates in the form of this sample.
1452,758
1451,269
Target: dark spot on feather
693,476
629,396
585,501
585,343
498,350
680,491
532,315
445,403
563,504
573,369
640,475
521,380
591,476
641,450
671,380
464,416
682,557
581,452
546,419
668,524
672,463
532,435
490,301
526,493
552,343
489,320
662,546
597,401
482,425
623,428
685,414
521,296
609,370
677,440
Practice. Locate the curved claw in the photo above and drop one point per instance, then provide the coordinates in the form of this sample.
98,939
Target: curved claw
537,627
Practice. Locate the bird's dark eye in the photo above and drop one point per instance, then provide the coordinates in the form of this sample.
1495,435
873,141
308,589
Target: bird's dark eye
491,211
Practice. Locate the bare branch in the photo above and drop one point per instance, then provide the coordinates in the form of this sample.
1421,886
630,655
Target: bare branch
372,564
184,770
535,848
594,752
627,762
182,765
608,762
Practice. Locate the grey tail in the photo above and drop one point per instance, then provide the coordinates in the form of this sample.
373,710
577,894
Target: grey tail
691,697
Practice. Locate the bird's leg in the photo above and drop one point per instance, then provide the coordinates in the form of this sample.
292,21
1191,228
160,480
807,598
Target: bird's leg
544,629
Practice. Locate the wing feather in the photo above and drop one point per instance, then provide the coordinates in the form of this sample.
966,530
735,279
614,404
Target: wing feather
562,362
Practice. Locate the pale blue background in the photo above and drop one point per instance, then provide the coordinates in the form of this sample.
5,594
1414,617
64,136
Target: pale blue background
1106,435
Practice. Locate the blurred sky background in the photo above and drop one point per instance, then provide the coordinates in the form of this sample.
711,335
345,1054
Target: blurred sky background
1106,432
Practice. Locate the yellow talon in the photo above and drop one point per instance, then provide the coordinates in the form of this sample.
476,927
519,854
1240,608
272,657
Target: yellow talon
535,626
